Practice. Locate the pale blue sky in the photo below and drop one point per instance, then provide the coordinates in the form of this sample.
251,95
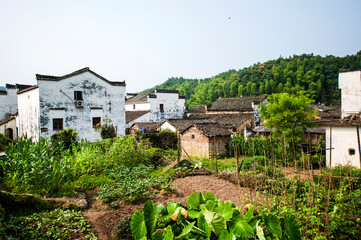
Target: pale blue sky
146,42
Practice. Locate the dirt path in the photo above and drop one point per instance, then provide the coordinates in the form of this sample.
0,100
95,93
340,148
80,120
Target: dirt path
104,220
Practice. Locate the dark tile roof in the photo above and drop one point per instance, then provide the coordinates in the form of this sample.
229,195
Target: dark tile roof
27,89
22,86
132,115
236,104
327,112
148,125
181,124
198,109
143,97
231,120
210,129
139,98
6,120
352,120
80,71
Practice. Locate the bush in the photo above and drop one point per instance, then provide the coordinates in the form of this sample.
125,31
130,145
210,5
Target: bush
123,229
66,137
4,142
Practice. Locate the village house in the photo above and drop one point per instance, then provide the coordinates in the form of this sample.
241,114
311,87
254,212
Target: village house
239,115
144,127
8,99
205,140
154,106
79,100
8,127
178,125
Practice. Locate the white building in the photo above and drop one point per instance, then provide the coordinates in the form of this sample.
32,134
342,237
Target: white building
350,85
8,99
156,106
79,100
343,137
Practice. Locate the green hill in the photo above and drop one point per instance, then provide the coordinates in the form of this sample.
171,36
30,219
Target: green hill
316,75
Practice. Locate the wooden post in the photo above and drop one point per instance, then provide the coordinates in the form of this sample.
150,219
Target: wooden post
330,145
358,140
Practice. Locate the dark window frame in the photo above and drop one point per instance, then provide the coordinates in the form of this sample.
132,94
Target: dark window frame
96,121
161,107
351,151
78,95
58,124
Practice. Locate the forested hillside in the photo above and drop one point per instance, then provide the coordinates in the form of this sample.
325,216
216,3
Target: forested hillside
316,75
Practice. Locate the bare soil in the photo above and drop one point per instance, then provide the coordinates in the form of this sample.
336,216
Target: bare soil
104,220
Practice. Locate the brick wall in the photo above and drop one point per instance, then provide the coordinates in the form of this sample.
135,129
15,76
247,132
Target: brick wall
195,143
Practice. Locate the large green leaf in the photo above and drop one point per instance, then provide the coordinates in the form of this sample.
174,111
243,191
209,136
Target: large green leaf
203,225
137,224
202,197
259,231
193,201
239,227
150,216
215,221
249,214
211,205
292,228
225,235
225,210
168,234
210,196
273,224
194,213
186,230
171,207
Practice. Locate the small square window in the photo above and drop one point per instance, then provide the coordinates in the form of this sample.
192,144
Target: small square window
57,124
78,95
96,122
193,136
351,151
161,107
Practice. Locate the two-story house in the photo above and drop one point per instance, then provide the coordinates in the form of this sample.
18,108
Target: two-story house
156,106
79,100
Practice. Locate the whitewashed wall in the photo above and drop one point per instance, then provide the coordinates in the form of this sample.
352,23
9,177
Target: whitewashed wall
143,118
350,85
167,126
341,139
11,124
8,103
173,107
100,100
137,107
29,114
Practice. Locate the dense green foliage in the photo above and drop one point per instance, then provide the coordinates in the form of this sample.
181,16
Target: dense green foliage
49,169
4,142
66,137
55,224
206,217
316,75
289,115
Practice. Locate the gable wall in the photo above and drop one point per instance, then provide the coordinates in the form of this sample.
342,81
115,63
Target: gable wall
96,94
8,103
172,105
350,85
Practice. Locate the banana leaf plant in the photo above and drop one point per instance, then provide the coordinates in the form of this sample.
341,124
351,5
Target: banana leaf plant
206,217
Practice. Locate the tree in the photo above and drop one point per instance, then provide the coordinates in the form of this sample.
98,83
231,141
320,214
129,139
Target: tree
289,115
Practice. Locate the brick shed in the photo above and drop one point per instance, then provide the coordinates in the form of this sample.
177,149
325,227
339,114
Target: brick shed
206,140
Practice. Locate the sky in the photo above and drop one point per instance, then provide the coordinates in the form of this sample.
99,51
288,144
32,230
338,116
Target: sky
145,42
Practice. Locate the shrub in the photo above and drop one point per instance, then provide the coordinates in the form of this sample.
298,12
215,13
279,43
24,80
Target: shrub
66,137
4,142
123,229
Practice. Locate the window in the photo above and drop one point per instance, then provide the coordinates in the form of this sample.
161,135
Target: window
96,122
193,136
351,151
57,124
161,107
133,106
78,95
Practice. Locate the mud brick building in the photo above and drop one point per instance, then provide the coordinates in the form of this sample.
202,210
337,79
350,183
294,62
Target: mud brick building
206,140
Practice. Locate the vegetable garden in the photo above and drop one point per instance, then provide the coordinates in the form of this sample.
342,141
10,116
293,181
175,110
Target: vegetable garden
312,203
